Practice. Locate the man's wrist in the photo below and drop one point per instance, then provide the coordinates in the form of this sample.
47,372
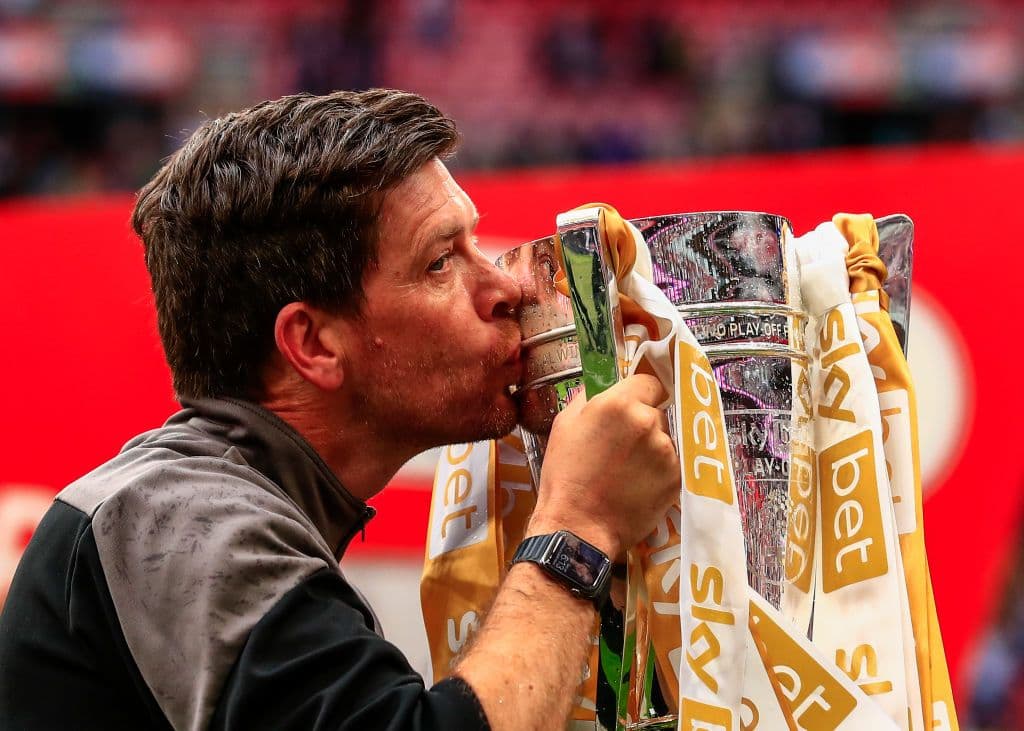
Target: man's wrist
594,534
579,566
542,581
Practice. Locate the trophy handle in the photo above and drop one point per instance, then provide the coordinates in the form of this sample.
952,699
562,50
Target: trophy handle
594,294
896,249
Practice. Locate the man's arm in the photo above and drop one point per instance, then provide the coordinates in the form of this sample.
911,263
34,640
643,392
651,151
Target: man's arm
609,475
527,660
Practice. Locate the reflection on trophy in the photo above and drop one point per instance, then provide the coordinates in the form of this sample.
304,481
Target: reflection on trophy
552,369
734,278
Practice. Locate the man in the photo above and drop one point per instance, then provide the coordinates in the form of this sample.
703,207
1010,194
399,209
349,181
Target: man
326,315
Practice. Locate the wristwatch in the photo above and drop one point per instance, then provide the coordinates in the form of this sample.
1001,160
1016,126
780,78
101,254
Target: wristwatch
578,566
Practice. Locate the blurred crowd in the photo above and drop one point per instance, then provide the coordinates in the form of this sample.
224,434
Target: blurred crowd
94,92
997,675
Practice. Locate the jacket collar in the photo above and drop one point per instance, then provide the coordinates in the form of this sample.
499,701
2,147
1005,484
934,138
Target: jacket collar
272,447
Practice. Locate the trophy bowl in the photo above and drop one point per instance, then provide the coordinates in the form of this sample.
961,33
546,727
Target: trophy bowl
730,275
734,277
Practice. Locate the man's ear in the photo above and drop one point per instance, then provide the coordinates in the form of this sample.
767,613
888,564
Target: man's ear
309,339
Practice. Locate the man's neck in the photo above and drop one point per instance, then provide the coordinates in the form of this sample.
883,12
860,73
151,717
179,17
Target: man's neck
361,459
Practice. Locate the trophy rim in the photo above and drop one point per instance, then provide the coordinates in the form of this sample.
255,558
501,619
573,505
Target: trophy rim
634,221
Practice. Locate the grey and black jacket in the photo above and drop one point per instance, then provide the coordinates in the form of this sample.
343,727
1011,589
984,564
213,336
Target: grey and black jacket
192,582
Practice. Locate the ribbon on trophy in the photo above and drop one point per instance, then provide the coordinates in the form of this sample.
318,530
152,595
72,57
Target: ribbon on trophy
739,662
482,501
858,574
797,600
703,586
898,412
651,611
725,657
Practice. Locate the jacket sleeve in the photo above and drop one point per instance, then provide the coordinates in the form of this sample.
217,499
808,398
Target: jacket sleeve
312,662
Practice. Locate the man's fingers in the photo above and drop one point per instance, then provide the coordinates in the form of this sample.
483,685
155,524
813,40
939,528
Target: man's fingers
645,388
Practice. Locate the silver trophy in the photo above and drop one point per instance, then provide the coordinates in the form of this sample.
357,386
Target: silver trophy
734,278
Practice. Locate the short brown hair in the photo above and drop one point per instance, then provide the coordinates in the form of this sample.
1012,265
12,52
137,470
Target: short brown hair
271,205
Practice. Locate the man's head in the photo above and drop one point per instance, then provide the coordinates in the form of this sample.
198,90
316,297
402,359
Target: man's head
272,205
316,250
437,345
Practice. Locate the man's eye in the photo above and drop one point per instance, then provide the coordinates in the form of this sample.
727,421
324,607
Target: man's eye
439,263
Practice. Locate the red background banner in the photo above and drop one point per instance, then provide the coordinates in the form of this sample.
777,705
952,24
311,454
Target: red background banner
82,370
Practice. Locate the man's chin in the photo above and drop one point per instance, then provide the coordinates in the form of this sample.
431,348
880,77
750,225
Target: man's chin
497,422
502,420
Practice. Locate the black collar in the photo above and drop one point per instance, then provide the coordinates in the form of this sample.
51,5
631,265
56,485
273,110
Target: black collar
280,453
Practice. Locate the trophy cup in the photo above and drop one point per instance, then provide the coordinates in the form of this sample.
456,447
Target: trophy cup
734,278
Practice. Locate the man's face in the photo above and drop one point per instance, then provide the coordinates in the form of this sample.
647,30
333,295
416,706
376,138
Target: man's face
431,358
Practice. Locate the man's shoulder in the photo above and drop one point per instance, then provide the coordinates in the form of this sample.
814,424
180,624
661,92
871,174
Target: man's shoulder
171,459
170,487
195,546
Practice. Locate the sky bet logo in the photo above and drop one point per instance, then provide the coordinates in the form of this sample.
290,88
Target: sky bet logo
703,440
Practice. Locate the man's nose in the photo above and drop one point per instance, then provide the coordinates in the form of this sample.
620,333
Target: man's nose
500,294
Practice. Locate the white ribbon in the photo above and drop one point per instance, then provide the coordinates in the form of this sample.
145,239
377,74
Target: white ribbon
860,602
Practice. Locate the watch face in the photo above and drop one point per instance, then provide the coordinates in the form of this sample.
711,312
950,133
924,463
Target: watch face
579,562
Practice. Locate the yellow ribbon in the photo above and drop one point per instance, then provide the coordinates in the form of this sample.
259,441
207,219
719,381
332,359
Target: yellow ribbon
867,271
867,275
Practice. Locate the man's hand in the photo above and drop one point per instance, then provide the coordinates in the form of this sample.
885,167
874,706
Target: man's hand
610,474
610,471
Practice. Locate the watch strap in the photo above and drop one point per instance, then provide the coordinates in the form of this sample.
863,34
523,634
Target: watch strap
535,548
532,548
